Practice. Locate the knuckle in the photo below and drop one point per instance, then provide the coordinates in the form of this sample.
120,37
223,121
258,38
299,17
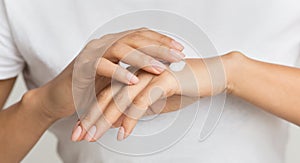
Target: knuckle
93,44
138,32
136,36
165,39
162,49
118,98
116,48
143,29
103,95
121,101
106,36
141,103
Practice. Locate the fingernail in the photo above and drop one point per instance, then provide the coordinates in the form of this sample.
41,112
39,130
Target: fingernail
76,134
177,54
177,45
126,135
160,67
121,134
76,125
90,134
132,78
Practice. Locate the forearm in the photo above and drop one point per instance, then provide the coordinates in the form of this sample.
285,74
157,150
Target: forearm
274,88
22,125
5,87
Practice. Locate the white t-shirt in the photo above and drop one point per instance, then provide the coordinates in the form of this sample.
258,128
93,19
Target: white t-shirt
40,38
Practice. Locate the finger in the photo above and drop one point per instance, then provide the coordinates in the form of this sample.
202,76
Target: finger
77,129
137,58
101,82
109,69
103,99
172,103
157,107
141,103
119,104
166,40
125,33
118,122
154,48
162,38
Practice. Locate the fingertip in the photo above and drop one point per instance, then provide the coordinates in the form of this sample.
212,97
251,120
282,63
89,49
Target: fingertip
132,78
83,132
76,134
177,45
121,134
90,134
158,67
128,125
126,135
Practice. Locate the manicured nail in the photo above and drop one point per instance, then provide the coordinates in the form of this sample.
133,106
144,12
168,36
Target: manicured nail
177,45
121,134
126,135
76,134
160,67
90,134
177,54
132,78
76,125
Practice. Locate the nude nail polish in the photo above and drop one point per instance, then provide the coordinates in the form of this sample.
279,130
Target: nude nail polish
160,67
177,54
90,134
132,78
121,132
76,134
177,45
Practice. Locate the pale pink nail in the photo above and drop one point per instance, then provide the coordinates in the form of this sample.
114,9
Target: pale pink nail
76,134
160,67
132,78
90,134
177,45
121,134
177,54
76,125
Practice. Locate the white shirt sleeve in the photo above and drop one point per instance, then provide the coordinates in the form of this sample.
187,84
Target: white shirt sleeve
11,62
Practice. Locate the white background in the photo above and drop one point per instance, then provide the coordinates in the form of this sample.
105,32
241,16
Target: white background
45,150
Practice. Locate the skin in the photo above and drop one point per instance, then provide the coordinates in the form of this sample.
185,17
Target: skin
257,86
135,99
5,87
25,121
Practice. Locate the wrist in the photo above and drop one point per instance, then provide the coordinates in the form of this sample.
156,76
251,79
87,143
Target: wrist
233,63
34,100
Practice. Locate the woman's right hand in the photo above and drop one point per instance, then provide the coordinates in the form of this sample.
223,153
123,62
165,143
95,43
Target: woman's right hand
141,48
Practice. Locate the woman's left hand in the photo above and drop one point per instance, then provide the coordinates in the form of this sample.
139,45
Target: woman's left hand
123,105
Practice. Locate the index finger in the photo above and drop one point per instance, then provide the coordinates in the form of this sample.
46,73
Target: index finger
118,105
166,40
141,103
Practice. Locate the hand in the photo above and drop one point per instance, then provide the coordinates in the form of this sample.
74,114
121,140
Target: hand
102,56
124,105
